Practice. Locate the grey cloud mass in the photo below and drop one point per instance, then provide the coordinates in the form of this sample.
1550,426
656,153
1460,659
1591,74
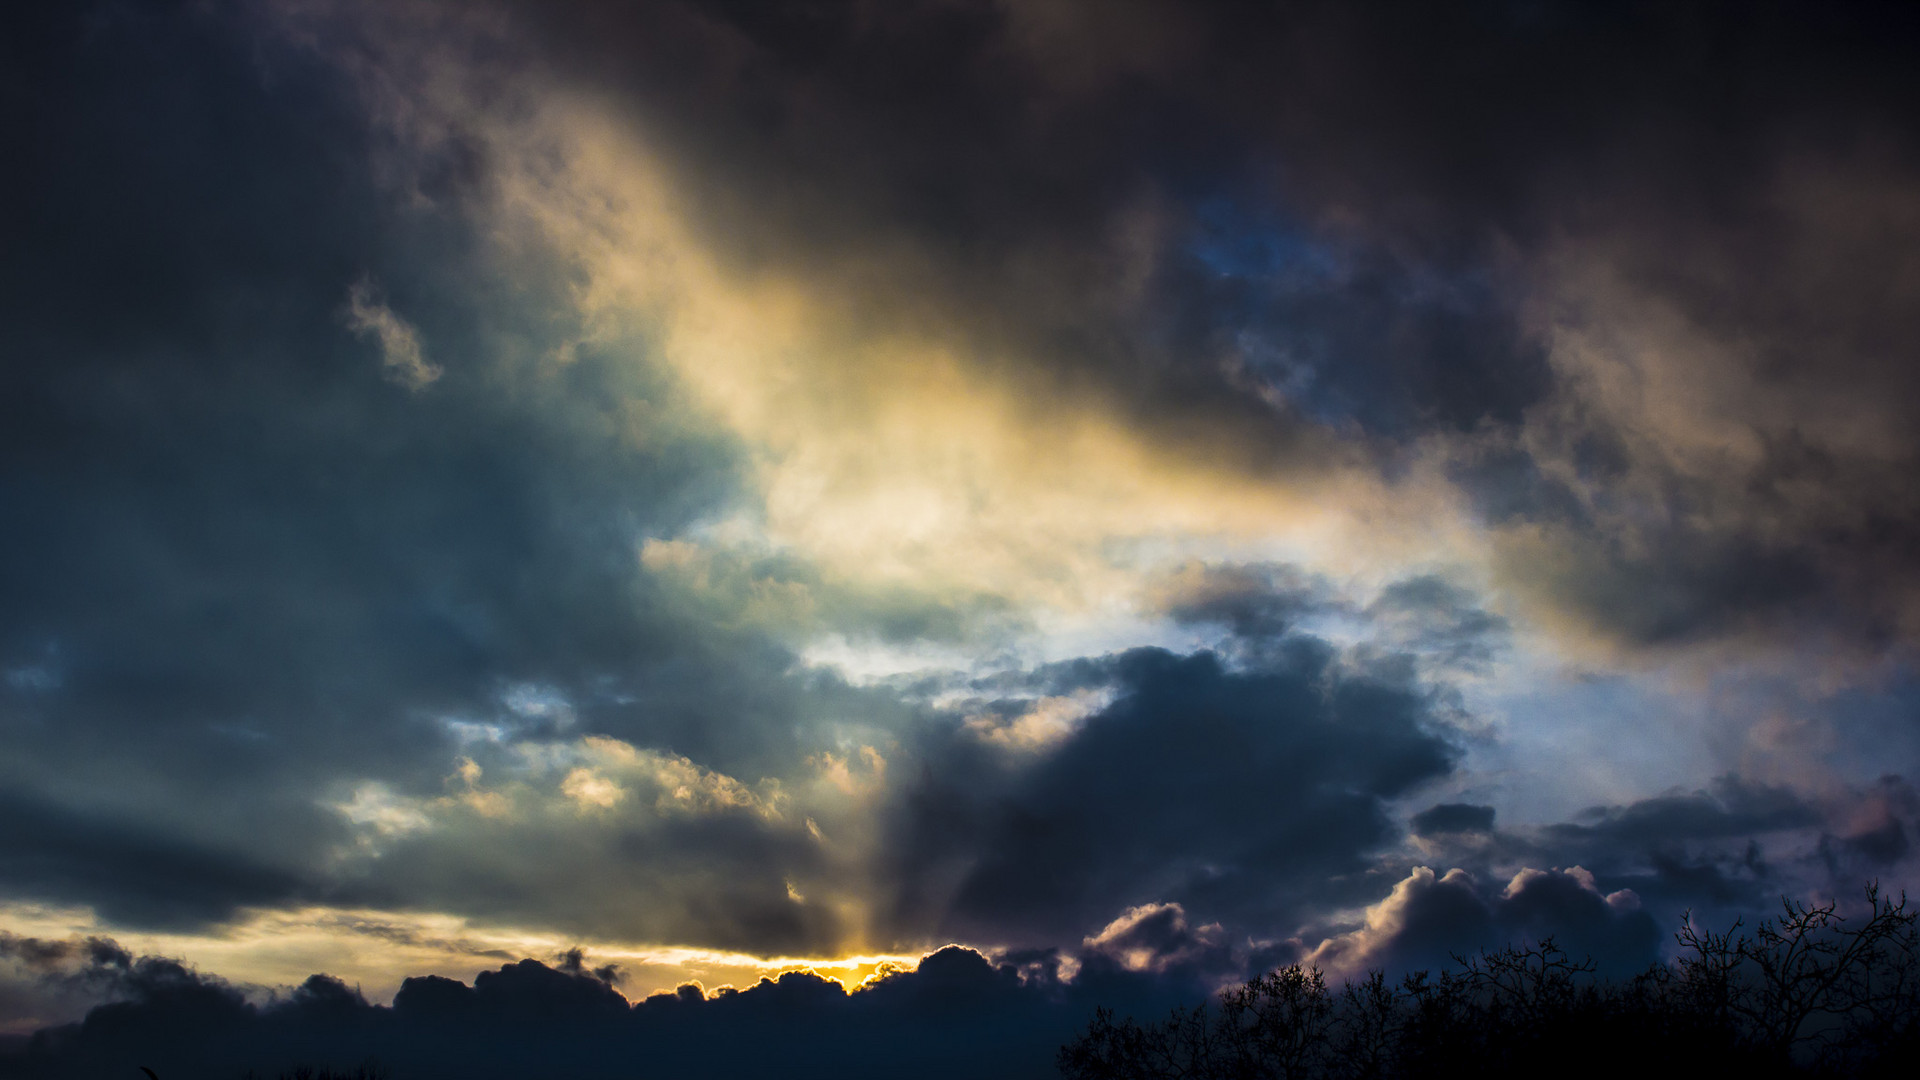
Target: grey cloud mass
1224,790
1452,818
1429,919
1407,219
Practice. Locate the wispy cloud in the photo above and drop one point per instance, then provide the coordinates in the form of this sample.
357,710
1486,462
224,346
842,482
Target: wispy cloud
400,354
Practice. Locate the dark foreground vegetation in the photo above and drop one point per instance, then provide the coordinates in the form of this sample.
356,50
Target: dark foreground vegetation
1817,991
1810,993
367,1071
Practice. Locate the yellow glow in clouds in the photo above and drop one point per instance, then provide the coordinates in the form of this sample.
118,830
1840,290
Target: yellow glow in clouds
885,458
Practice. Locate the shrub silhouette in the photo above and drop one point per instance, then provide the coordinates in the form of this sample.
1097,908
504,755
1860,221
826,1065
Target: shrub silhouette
366,1071
1810,992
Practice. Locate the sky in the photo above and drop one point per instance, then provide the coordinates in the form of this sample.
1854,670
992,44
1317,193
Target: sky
1107,497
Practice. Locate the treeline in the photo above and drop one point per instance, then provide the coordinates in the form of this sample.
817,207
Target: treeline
367,1071
1809,993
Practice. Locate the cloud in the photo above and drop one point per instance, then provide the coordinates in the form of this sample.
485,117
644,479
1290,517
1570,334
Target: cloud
1255,602
1730,846
1230,792
1624,337
1442,622
1453,818
1043,724
1222,454
399,341
269,587
1424,620
723,863
1428,919
1732,807
1156,937
129,870
1721,852
891,441
46,982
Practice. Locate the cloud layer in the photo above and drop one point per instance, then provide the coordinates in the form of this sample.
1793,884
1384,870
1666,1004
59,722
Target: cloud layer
1188,486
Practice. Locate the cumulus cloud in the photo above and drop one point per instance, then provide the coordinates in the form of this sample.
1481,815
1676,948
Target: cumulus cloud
1429,919
1723,851
1157,937
1227,791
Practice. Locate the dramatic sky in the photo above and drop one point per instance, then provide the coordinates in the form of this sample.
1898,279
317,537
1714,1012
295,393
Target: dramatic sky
1117,485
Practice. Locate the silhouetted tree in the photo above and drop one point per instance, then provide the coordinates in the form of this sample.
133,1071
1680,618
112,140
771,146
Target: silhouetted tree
1807,986
1811,992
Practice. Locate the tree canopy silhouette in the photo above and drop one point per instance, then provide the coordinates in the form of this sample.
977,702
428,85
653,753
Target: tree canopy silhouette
1808,992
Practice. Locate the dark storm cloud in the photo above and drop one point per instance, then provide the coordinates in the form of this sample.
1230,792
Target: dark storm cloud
1236,793
1246,785
1724,851
1238,221
132,873
1732,807
1134,235
1453,818
245,566
1424,625
1430,919
1704,849
1258,602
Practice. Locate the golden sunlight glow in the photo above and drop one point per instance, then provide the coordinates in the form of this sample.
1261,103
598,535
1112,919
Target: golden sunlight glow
881,455
375,950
